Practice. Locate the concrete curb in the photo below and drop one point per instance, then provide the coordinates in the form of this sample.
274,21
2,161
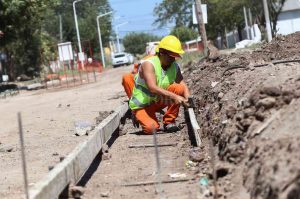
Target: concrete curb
73,167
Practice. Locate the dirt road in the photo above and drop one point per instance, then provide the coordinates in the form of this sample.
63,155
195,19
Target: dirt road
49,118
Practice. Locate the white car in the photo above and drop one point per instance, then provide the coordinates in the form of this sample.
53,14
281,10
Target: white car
120,59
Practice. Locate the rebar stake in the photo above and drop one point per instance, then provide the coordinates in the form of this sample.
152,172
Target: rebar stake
158,186
23,155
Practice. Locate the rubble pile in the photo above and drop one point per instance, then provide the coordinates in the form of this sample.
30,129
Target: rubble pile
250,115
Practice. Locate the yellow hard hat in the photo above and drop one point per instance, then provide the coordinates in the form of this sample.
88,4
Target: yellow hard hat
171,43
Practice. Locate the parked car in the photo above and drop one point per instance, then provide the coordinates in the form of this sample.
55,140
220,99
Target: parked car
120,59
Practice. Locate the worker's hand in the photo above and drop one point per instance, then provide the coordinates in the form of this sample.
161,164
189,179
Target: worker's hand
181,100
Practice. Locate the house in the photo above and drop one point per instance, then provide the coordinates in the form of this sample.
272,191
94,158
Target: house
289,18
193,45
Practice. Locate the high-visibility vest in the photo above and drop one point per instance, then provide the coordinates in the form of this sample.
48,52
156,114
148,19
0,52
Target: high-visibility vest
141,96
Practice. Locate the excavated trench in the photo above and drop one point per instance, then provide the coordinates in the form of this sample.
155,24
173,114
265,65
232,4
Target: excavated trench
127,167
247,105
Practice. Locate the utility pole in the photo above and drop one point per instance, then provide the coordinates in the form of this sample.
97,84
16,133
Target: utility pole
227,42
60,29
201,27
99,35
246,23
268,26
80,55
117,32
118,40
252,30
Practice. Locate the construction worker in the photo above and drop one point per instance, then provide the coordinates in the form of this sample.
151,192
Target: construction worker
159,84
128,79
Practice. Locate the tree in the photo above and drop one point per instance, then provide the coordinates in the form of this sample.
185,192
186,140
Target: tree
178,11
275,8
135,43
21,22
87,11
184,34
32,30
221,14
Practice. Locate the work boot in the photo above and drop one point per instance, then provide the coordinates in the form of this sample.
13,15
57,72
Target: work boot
135,123
170,128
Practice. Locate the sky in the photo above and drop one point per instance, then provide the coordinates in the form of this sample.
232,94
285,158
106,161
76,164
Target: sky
138,14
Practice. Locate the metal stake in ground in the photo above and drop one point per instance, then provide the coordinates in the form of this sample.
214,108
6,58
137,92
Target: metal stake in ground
158,176
23,155
213,166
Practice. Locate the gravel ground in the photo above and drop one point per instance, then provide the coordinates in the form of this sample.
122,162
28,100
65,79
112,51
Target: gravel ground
49,118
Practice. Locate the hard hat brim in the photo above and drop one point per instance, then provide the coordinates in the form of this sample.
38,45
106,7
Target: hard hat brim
173,54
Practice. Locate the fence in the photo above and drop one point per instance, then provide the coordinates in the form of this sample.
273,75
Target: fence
62,67
232,38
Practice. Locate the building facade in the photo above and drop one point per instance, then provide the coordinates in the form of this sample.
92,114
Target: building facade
289,18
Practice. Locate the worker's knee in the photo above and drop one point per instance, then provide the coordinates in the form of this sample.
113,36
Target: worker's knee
126,78
149,127
176,88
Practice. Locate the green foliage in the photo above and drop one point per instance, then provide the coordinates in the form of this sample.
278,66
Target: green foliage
31,30
178,11
184,34
87,12
21,21
188,57
224,14
135,43
221,14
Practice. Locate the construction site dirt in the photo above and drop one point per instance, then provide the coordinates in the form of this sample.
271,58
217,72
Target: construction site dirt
247,106
52,123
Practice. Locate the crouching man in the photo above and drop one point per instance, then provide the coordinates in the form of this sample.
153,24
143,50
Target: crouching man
159,84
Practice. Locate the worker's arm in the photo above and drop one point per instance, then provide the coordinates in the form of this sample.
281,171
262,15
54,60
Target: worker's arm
148,74
179,80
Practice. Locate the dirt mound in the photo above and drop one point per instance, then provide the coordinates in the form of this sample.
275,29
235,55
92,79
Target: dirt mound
244,109
276,177
281,48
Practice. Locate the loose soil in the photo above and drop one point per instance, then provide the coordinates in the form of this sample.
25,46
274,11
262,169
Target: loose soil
247,108
49,118
122,165
251,116
246,104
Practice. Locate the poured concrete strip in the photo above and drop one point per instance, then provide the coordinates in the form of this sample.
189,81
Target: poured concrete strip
72,168
195,126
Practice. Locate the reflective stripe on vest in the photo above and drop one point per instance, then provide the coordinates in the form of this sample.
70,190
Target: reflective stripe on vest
141,95
144,90
138,103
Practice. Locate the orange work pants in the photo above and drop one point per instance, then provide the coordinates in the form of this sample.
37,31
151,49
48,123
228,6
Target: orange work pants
146,116
128,83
